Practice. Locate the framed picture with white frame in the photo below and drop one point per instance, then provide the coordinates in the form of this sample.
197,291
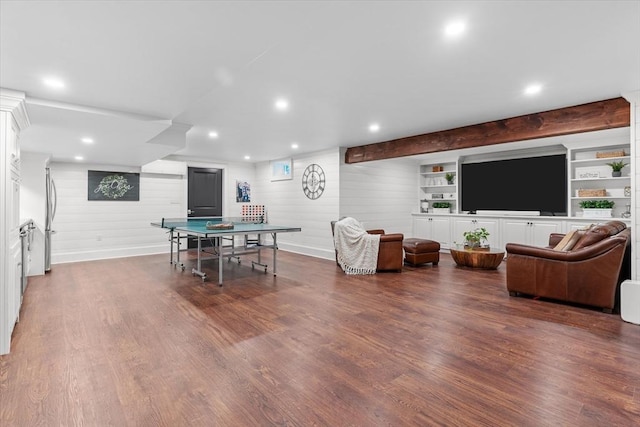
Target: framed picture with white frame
281,170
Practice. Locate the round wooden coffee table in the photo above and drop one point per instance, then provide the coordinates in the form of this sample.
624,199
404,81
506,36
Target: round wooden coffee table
486,258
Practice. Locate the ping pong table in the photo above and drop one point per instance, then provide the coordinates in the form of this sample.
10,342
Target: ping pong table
219,230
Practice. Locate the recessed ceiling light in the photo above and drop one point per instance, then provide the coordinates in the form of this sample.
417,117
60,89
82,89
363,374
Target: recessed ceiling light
79,158
533,89
454,28
213,134
247,157
53,82
294,145
87,140
374,127
282,104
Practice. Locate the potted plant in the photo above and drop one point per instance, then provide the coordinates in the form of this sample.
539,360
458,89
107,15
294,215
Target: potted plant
597,208
616,167
449,177
476,239
441,207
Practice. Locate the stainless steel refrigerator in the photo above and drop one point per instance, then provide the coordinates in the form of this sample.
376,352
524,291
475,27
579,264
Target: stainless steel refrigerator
52,203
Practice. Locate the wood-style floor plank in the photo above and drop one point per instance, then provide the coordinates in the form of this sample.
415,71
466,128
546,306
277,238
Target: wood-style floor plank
137,342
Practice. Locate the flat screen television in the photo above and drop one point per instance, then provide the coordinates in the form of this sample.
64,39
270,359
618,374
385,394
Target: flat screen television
525,184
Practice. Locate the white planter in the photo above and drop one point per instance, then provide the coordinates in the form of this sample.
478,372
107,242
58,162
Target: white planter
441,210
597,213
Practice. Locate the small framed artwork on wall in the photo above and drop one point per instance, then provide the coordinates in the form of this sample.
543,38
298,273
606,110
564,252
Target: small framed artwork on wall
243,191
281,170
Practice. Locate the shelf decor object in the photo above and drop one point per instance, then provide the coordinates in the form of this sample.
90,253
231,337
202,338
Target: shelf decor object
616,168
441,207
608,154
597,208
585,192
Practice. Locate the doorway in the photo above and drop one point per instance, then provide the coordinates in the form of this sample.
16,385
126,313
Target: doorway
204,195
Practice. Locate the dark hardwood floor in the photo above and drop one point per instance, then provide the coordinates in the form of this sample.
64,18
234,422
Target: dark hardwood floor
136,342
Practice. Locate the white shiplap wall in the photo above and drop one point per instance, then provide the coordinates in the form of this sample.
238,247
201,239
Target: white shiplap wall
87,230
287,205
380,194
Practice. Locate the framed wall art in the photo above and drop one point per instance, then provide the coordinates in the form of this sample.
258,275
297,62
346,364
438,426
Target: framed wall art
243,191
281,170
116,186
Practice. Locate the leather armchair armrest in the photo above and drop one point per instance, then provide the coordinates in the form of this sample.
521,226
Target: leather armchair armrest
570,256
376,231
394,237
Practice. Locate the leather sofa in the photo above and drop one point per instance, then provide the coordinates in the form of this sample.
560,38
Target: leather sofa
589,272
390,252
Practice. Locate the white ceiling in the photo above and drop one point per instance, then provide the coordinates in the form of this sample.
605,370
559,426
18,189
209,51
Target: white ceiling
139,74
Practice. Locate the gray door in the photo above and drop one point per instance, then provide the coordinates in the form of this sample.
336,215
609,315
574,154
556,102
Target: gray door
205,192
204,195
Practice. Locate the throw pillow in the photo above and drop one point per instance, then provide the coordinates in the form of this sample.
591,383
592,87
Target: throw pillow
593,235
565,240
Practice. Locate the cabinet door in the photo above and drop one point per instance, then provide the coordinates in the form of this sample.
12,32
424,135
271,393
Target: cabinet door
435,228
421,227
13,282
515,231
460,225
440,231
540,232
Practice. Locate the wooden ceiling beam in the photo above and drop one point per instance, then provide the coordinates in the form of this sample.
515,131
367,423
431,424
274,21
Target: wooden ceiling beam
608,114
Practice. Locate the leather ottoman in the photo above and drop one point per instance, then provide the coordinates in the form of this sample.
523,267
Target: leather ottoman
421,251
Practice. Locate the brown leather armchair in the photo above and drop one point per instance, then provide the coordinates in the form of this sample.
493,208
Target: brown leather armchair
588,273
390,253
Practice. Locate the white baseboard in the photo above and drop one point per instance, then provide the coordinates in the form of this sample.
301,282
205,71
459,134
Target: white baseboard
63,258
66,257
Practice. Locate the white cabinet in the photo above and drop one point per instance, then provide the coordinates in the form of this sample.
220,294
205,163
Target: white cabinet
437,228
460,225
529,232
14,281
13,118
436,189
591,178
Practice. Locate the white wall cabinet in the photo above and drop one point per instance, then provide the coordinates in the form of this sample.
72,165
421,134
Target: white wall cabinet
437,228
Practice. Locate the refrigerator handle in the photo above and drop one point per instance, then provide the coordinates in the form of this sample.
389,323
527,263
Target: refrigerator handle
55,199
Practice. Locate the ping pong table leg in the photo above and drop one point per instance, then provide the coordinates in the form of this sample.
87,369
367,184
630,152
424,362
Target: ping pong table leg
198,271
171,247
275,248
220,257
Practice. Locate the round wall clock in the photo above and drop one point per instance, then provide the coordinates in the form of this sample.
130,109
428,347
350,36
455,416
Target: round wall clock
313,181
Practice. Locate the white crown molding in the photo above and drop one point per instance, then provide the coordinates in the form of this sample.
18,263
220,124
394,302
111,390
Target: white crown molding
13,102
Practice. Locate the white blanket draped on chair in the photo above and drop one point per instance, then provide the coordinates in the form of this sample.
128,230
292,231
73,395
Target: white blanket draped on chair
357,249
